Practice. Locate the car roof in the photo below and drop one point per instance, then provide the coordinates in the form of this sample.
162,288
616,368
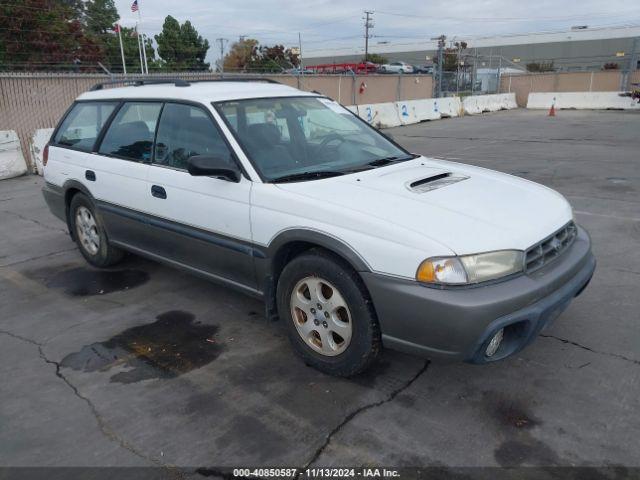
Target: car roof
201,92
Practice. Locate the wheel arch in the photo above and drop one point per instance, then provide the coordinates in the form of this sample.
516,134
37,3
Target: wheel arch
290,243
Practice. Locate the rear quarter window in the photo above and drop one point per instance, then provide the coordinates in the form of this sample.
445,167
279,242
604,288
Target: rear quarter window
81,126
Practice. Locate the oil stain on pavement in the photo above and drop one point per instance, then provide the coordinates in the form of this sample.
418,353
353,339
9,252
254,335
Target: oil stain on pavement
82,281
172,345
518,447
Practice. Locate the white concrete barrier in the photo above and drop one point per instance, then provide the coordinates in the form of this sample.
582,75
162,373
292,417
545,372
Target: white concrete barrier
12,162
415,111
581,100
36,146
489,103
353,108
381,115
448,106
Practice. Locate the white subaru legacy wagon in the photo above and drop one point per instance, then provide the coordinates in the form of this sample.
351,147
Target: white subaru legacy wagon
350,240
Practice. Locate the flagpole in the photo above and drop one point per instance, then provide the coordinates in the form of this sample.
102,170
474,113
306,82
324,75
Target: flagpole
139,50
124,66
144,50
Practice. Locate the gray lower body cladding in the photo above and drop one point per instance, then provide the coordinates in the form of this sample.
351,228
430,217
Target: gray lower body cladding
457,323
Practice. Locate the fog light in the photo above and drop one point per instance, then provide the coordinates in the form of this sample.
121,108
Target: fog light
494,344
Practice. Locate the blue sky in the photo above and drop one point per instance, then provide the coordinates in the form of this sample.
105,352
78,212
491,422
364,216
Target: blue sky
336,26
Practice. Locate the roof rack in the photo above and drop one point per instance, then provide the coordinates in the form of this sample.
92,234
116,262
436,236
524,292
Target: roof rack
179,82
138,83
240,79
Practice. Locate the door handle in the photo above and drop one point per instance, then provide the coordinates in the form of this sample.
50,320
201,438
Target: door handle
158,191
90,175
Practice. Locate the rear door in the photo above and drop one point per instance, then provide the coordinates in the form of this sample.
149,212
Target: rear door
119,171
202,222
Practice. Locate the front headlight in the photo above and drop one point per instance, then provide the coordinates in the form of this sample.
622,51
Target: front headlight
467,269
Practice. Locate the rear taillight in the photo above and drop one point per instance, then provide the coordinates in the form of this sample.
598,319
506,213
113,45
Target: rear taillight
45,155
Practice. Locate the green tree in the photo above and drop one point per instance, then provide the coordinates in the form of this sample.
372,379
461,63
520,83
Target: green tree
100,16
242,55
180,47
274,59
247,55
377,58
45,35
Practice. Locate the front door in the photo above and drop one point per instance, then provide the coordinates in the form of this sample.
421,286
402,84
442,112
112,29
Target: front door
201,222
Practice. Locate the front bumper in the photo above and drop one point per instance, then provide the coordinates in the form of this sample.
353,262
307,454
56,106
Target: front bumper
458,323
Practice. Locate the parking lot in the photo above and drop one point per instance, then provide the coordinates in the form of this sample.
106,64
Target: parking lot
143,365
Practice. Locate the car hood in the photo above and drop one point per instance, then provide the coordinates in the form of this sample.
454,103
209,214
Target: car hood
468,209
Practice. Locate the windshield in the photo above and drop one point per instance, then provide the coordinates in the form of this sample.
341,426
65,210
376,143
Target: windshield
298,138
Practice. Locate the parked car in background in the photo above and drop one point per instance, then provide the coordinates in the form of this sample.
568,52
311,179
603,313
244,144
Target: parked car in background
396,67
352,241
426,69
299,71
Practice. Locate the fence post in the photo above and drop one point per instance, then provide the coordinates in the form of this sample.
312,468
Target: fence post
353,88
399,88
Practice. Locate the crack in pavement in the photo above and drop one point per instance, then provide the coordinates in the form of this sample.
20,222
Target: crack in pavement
47,255
102,424
27,219
357,412
589,349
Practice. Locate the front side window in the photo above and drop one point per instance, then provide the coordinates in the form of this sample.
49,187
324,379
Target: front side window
291,136
185,131
130,135
82,125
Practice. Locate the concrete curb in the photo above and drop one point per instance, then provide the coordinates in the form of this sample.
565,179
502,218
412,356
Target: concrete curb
12,163
581,101
36,146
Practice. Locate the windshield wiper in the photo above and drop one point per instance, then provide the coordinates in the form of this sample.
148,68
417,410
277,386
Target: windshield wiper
380,162
294,177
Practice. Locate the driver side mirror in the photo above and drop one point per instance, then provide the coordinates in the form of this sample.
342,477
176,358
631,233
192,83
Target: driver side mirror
212,166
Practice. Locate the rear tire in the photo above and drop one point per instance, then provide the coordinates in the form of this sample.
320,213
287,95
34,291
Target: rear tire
89,233
329,318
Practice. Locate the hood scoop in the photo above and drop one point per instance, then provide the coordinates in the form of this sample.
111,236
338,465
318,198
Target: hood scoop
424,185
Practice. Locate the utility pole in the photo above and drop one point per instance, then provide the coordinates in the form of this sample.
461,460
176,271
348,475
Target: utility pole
441,39
368,24
221,41
300,54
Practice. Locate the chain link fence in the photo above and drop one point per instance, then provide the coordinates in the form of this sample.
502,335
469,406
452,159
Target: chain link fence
33,101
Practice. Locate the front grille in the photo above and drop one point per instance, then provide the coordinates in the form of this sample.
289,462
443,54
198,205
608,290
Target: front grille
550,248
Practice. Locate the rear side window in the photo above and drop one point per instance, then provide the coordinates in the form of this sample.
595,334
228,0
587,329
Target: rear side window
130,135
82,125
185,131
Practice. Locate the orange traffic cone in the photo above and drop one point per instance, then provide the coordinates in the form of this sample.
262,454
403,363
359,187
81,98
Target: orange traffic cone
552,110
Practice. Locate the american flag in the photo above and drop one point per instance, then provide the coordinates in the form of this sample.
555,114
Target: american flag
134,6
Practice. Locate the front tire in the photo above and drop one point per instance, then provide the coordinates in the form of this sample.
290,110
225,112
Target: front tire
89,233
329,318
